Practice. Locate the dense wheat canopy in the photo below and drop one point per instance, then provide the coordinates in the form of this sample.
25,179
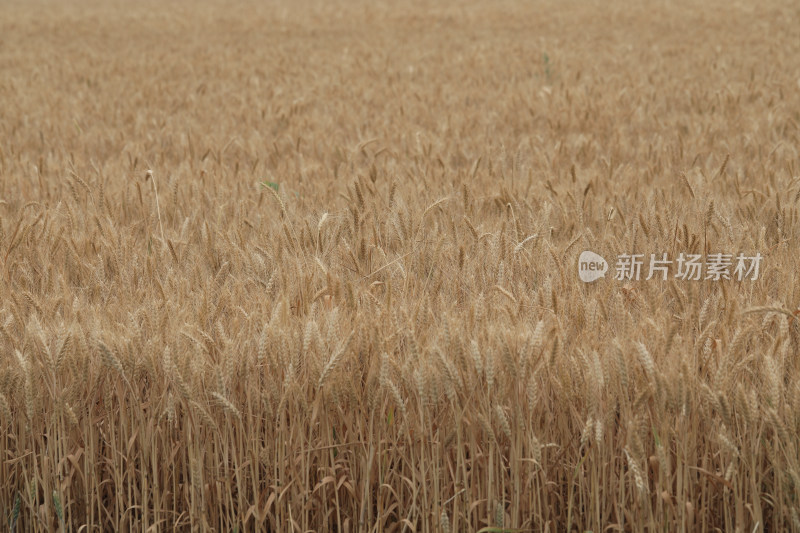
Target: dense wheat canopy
313,266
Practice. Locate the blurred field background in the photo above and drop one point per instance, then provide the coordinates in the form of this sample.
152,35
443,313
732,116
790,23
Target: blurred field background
345,298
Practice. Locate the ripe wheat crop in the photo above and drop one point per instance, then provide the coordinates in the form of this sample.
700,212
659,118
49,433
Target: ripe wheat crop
312,266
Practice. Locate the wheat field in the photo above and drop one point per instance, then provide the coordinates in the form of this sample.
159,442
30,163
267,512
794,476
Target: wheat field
313,266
